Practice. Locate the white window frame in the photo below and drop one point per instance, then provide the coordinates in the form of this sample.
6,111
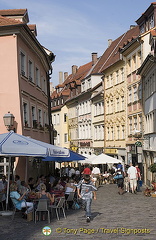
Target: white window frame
30,70
23,63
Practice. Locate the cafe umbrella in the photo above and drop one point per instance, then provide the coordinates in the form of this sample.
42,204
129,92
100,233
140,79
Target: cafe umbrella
16,145
72,157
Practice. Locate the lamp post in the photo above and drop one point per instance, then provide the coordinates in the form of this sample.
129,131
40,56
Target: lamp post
9,120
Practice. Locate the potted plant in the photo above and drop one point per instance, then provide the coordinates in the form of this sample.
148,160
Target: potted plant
152,169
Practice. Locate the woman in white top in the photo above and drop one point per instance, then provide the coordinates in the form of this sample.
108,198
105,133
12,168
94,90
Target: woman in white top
68,189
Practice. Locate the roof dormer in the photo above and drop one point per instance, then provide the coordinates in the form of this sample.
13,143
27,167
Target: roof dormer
17,14
148,19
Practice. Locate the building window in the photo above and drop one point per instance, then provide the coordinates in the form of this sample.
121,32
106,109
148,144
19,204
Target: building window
117,105
151,22
118,132
89,83
111,80
134,62
33,115
37,77
23,64
117,77
135,122
108,134
65,138
122,103
107,81
112,133
123,132
65,117
129,95
40,117
44,86
58,139
140,123
135,93
58,119
130,126
122,74
108,107
25,114
129,65
30,67
140,91
83,86
142,28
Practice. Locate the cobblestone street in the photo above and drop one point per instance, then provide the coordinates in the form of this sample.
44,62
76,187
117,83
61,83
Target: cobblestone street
115,216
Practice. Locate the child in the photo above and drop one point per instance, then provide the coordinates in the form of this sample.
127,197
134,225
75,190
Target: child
86,190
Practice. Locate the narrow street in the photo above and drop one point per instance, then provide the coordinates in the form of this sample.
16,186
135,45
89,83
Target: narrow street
115,216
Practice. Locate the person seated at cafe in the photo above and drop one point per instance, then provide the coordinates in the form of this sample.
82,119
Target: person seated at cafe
70,187
18,181
31,183
3,192
42,194
40,180
18,199
57,185
24,188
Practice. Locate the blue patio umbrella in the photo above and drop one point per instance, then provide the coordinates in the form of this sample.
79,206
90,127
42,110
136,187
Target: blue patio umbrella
73,156
16,145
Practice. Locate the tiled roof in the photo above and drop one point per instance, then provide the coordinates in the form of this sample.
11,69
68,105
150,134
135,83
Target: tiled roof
65,92
153,32
13,12
112,55
32,27
72,79
8,21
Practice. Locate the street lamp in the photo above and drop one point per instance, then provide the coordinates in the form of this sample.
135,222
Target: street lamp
8,120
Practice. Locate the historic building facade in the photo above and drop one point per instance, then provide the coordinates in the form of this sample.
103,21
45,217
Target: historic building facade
25,86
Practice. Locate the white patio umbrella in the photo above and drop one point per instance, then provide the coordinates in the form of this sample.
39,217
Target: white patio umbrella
88,159
15,145
104,159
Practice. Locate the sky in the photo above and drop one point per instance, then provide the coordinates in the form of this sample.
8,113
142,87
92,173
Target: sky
73,29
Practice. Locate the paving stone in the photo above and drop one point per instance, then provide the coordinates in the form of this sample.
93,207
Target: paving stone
110,211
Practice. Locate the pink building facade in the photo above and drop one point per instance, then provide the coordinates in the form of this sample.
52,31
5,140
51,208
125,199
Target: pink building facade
24,74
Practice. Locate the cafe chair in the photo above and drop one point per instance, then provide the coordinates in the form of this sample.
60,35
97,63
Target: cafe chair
58,206
69,199
1,197
17,210
42,207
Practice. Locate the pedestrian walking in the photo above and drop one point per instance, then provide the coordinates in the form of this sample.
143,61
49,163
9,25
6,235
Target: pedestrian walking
139,177
86,191
132,175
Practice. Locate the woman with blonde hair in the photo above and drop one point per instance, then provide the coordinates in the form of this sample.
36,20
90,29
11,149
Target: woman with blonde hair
18,200
43,194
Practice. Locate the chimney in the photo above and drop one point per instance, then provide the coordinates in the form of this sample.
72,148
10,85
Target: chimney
60,77
94,58
132,26
109,42
65,75
74,69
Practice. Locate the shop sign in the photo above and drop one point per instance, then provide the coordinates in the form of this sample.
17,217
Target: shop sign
138,144
85,144
111,151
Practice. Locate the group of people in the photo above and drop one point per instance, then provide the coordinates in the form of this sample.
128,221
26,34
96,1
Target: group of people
129,179
84,183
